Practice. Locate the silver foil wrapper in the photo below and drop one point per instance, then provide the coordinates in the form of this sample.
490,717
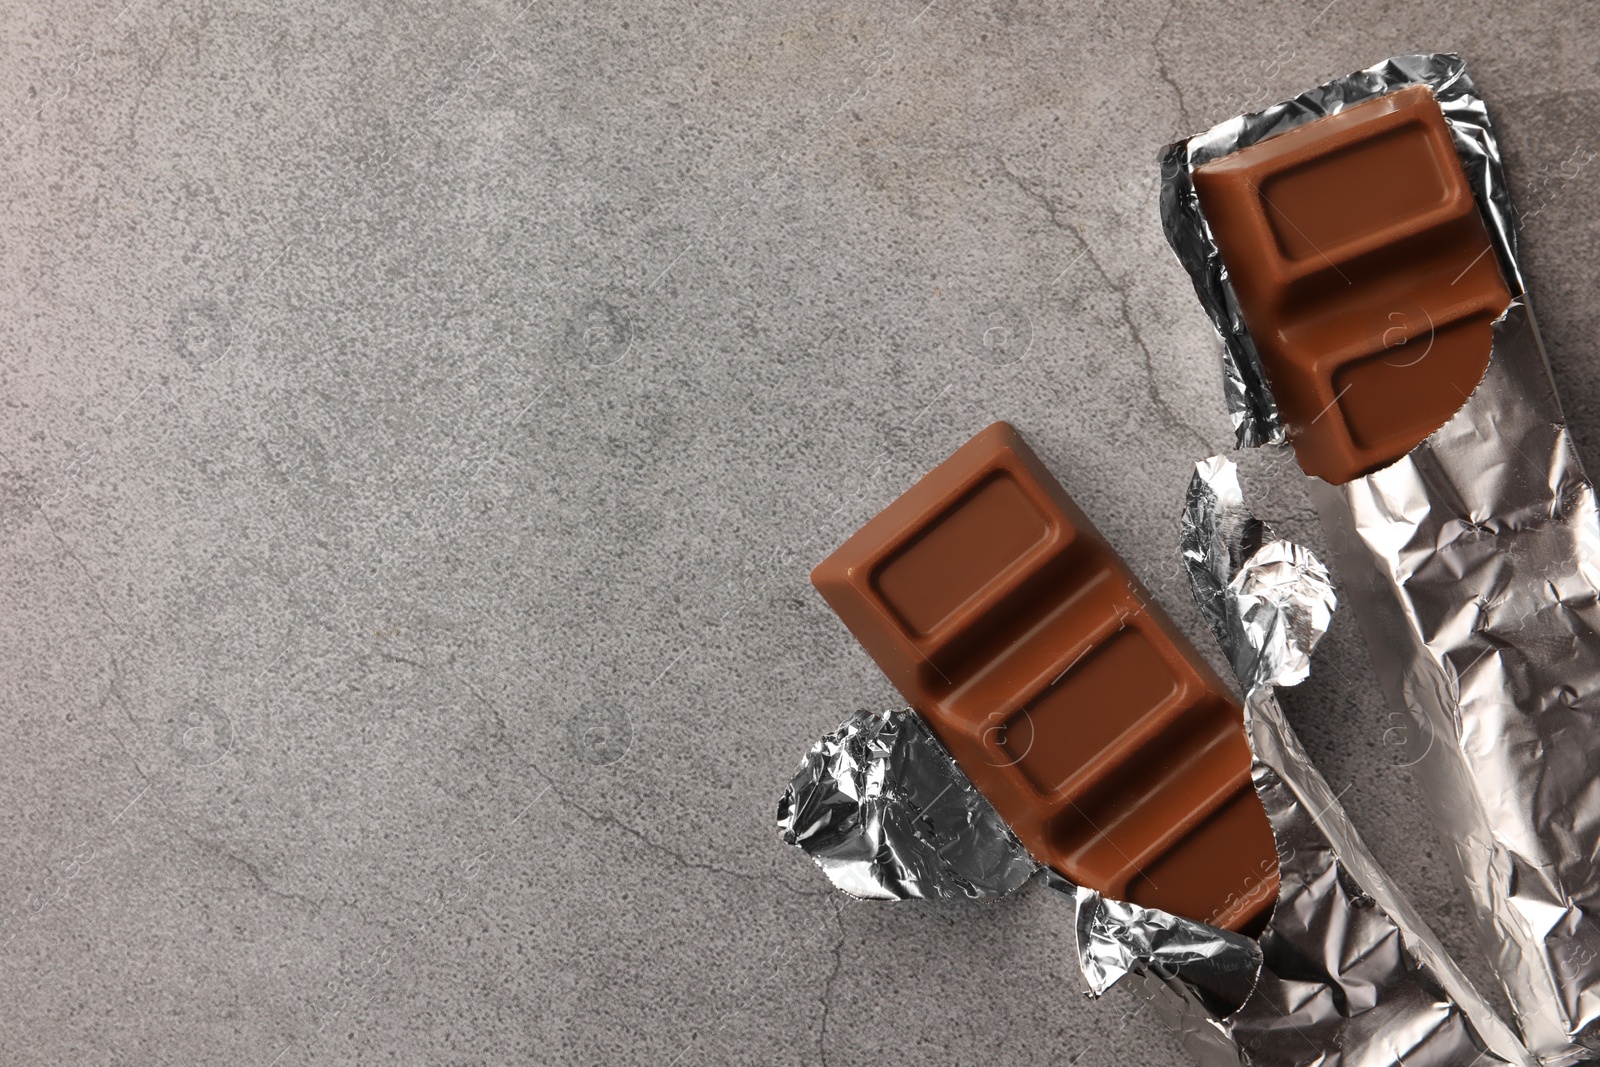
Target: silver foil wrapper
1350,974
889,816
1346,972
1473,565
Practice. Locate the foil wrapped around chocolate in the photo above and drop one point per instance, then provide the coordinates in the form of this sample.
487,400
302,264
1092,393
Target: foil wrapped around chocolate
1346,973
1473,566
1250,404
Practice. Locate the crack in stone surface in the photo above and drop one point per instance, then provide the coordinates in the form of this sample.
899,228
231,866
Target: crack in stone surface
1161,64
1125,312
67,549
827,985
220,850
1042,199
393,658
501,739
607,819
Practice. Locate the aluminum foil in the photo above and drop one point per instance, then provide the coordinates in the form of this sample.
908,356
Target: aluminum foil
1346,973
1268,601
1350,974
1475,562
1474,568
888,815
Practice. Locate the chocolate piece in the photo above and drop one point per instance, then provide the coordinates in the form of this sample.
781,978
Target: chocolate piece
1364,274
1067,696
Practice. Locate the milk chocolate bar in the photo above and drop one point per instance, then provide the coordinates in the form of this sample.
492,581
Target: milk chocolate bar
1365,276
1071,701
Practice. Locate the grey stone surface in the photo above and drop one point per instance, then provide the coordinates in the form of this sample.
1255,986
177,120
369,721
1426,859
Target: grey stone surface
420,421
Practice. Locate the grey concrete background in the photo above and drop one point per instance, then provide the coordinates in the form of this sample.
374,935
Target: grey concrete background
420,421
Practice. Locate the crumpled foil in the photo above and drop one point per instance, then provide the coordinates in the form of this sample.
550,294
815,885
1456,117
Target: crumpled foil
888,815
1250,403
1268,601
1475,564
1350,974
1346,973
1474,568
1218,968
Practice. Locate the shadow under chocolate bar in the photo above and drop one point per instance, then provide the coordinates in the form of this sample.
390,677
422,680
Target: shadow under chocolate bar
1364,274
1071,701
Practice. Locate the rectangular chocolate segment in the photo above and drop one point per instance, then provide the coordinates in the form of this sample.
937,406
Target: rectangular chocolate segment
1069,699
1364,274
964,552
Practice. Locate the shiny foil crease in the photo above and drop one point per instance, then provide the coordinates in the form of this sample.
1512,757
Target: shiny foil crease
1476,564
1250,403
888,815
1473,565
1349,972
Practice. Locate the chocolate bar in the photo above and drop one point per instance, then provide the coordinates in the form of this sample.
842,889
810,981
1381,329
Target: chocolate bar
1365,276
1100,735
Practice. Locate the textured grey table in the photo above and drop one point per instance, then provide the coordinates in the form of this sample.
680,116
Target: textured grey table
420,421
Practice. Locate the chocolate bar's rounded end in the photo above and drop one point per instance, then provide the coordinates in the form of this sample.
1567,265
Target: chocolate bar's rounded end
1226,867
1365,276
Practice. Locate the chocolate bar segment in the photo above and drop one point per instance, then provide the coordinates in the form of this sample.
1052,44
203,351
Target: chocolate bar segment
1364,274
1067,696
